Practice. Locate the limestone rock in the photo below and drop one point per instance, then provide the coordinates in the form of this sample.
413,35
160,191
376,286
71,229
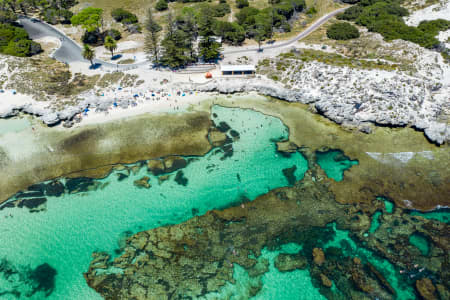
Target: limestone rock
143,182
290,262
318,256
261,267
325,280
217,137
286,146
426,289
155,166
173,163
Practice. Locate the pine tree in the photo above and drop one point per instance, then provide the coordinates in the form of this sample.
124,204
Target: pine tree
209,49
152,37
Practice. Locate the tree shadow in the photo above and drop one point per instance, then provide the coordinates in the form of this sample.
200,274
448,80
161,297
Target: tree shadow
116,57
95,66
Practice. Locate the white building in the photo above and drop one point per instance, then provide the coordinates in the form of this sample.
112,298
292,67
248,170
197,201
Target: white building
237,69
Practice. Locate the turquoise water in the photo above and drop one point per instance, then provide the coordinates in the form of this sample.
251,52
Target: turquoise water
274,284
441,215
14,125
334,163
375,222
75,225
343,240
389,205
420,242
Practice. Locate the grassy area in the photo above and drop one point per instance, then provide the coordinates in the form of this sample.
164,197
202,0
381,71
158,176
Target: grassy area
139,7
294,62
47,80
365,47
322,7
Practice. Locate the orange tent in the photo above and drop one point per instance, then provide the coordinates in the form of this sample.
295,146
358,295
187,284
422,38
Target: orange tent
208,75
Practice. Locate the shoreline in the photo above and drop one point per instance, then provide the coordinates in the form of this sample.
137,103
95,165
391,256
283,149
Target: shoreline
112,107
97,144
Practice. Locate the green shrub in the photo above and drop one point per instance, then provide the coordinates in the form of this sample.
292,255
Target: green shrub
7,17
161,5
433,27
124,16
221,10
311,11
230,32
241,3
342,31
114,33
386,17
15,41
90,18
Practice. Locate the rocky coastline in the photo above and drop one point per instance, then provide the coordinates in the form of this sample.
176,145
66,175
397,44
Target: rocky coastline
340,105
343,108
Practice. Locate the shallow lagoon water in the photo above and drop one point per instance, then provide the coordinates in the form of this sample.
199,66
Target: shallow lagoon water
75,225
334,163
275,284
14,125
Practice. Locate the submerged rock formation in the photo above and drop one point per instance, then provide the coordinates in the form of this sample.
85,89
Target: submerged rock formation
197,257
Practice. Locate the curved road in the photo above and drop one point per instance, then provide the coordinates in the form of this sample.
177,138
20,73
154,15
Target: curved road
301,35
70,51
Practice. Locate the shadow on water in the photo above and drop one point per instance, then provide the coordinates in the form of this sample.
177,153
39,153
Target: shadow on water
22,280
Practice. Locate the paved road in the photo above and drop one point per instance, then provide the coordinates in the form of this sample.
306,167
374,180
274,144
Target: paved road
301,35
70,51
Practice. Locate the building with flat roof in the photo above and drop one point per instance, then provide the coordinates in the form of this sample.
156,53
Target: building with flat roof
237,69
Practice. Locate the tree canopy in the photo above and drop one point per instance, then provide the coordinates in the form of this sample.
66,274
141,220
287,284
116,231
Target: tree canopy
386,17
342,31
89,18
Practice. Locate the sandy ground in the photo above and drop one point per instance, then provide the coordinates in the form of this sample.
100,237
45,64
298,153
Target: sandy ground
146,103
433,12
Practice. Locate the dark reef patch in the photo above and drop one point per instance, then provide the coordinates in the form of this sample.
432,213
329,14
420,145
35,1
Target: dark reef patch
31,203
180,179
26,281
81,184
289,173
223,127
54,188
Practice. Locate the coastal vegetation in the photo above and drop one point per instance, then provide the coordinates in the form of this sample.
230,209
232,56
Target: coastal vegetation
275,68
193,33
342,31
15,41
386,17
